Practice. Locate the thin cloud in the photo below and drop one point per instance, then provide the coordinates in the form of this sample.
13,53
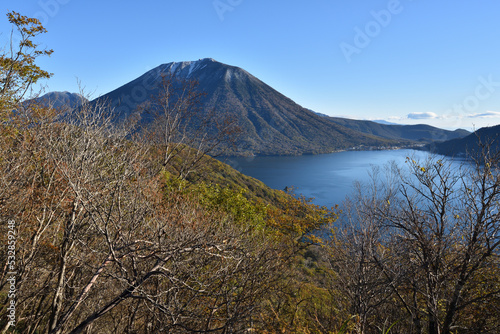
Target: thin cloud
487,114
422,115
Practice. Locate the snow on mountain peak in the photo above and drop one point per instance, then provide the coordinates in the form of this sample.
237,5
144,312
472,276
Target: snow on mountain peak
186,68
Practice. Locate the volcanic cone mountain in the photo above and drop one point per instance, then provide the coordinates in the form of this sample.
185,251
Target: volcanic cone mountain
271,123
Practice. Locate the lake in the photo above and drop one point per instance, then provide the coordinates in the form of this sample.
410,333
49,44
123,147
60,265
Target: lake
326,177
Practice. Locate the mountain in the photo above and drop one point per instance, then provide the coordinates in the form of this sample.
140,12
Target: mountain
420,133
60,99
318,113
271,123
469,144
383,121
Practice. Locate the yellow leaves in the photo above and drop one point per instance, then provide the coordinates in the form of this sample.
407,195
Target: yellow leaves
297,216
18,66
417,166
31,26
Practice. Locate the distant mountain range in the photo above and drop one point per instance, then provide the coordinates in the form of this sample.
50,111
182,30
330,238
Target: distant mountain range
382,121
419,133
271,123
61,99
469,145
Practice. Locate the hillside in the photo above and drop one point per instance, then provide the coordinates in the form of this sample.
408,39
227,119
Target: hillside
420,133
469,144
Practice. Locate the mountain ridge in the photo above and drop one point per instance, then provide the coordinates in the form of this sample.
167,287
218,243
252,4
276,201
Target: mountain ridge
419,132
470,145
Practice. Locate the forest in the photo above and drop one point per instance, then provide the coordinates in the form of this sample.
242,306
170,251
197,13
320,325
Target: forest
108,227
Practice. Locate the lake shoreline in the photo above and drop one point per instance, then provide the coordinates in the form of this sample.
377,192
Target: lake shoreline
361,148
327,178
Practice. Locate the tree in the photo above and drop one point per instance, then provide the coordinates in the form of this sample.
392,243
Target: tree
104,246
354,250
18,71
101,235
441,233
185,131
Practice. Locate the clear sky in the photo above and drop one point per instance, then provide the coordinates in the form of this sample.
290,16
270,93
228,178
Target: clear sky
406,61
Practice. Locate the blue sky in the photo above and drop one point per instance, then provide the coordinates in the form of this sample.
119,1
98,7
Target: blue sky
406,61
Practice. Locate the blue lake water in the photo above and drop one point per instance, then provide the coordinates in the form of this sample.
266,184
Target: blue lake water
326,177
